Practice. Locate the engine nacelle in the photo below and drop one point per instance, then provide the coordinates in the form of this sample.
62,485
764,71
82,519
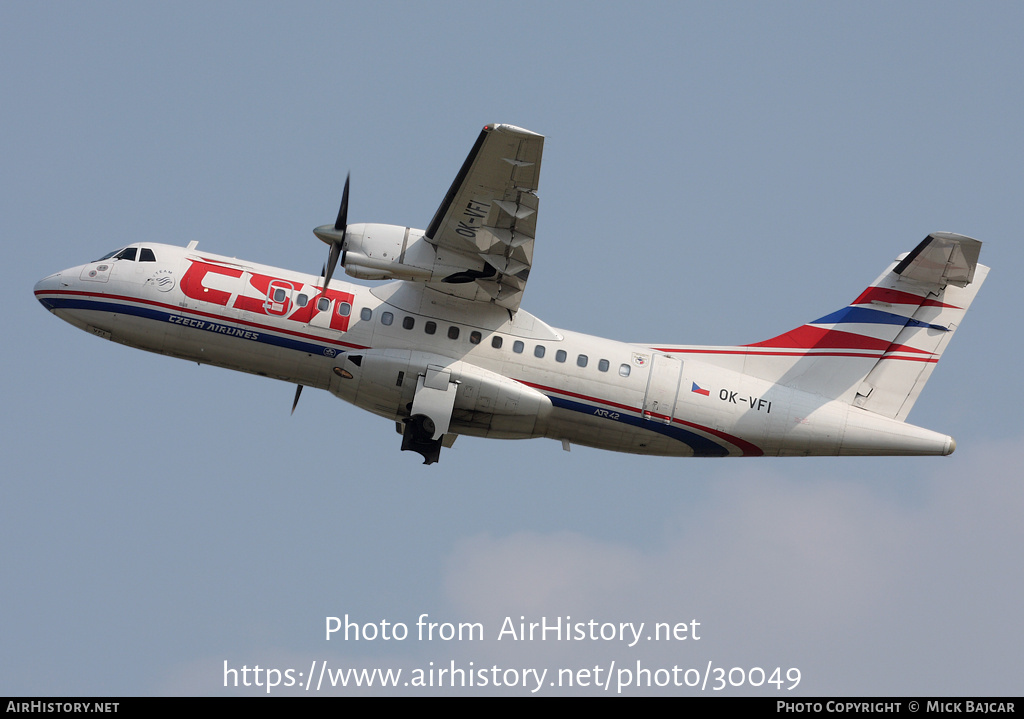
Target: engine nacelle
390,252
381,252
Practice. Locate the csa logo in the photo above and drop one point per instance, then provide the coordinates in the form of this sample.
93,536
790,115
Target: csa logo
639,360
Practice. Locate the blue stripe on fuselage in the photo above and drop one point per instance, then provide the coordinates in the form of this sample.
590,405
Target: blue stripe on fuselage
701,446
260,335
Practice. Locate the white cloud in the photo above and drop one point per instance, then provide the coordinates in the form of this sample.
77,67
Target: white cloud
864,592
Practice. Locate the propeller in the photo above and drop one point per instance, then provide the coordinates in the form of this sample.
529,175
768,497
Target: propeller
335,237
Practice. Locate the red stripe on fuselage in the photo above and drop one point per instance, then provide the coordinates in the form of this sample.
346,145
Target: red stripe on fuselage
199,313
794,353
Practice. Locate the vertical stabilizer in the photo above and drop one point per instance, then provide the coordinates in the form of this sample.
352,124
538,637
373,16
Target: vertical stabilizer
878,352
945,265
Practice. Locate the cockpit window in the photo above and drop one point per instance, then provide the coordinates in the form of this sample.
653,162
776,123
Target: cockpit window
131,254
108,255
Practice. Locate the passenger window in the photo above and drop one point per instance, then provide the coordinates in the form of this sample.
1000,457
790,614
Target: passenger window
453,332
430,328
581,361
408,322
517,346
602,365
560,356
538,351
146,255
474,337
279,294
302,300
323,304
344,309
387,318
496,342
366,314
624,370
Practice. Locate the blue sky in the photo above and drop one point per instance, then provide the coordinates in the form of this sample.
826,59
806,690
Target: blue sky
713,173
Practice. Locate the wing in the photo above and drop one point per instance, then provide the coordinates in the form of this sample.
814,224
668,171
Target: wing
490,216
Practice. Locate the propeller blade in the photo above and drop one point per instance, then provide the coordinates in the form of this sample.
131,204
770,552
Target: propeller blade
332,263
295,402
336,245
342,220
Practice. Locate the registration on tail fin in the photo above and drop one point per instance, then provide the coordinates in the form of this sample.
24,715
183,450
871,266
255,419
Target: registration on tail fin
878,352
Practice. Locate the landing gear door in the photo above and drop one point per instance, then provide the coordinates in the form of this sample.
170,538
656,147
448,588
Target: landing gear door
431,413
435,398
662,388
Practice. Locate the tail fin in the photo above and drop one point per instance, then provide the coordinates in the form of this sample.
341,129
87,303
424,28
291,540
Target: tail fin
878,352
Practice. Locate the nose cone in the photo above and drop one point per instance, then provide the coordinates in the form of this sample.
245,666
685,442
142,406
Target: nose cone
43,289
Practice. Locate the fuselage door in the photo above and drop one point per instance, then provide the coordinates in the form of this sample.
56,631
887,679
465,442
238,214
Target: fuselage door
662,388
331,313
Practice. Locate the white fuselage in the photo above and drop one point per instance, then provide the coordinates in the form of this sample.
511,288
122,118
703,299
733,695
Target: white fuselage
516,376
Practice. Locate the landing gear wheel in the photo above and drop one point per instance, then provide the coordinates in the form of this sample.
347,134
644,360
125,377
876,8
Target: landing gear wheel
419,430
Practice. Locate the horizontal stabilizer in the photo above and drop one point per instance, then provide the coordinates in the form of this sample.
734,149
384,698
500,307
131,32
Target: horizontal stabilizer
942,258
